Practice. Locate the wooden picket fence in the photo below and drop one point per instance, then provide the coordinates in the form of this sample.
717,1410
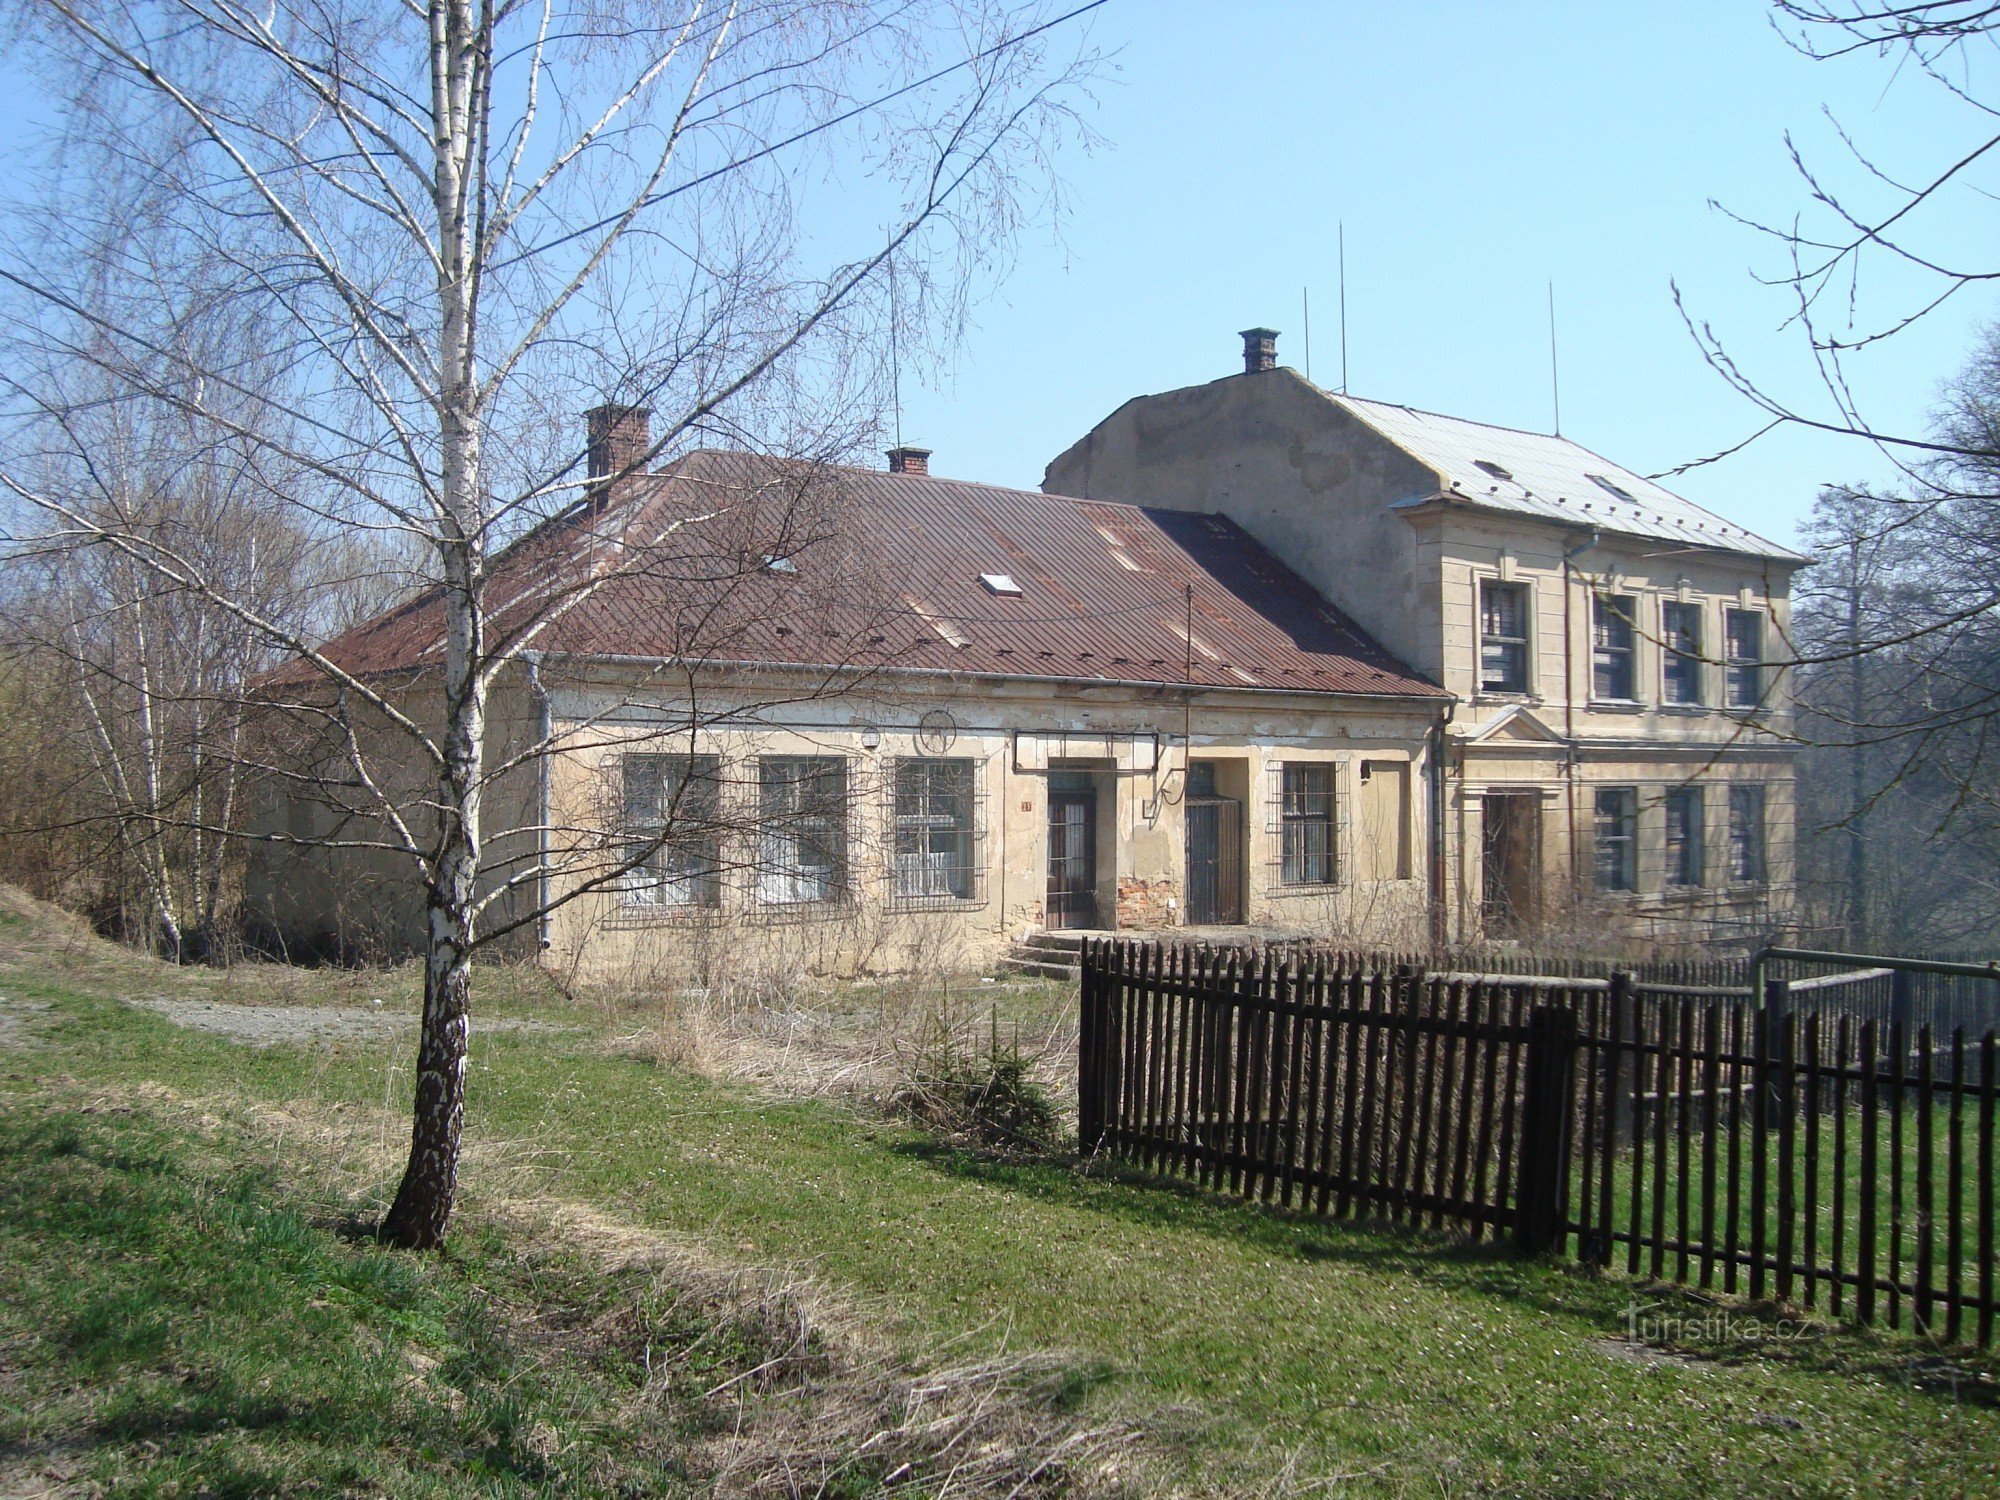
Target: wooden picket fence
1705,1134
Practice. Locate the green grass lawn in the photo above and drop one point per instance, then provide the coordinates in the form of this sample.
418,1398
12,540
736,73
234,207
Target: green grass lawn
173,1323
1828,1188
1251,1347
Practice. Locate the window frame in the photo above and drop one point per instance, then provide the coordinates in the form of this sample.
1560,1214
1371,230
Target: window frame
797,813
1736,668
965,881
1687,854
1677,659
1748,794
1627,876
695,796
1623,608
1308,817
1518,647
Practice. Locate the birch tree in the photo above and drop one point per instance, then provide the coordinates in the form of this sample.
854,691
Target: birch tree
460,219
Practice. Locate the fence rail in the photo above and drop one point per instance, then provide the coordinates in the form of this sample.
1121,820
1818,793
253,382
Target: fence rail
1769,1143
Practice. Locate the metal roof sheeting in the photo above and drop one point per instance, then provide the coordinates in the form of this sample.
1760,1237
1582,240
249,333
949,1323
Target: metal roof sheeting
889,575
1550,477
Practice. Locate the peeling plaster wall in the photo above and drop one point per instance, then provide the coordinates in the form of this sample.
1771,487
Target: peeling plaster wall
1295,471
1016,733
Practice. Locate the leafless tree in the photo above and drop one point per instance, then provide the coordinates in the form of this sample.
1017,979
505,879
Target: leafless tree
459,220
1892,657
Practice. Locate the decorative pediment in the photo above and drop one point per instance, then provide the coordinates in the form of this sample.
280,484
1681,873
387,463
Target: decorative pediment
1517,725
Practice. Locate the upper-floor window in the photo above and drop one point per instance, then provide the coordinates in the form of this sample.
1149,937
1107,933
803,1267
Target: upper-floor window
1743,657
1684,841
1746,834
1612,647
1503,637
672,831
1680,664
1308,824
934,830
1617,839
802,828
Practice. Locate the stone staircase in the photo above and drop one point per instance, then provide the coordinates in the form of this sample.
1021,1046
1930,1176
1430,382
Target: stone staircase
1046,955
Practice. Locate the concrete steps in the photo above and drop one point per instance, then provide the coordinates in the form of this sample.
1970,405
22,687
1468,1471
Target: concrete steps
1046,955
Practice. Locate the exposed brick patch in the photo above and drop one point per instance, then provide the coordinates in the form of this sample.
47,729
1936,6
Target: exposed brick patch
1144,903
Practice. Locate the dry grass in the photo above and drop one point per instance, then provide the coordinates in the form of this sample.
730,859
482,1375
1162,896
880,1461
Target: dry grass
859,1041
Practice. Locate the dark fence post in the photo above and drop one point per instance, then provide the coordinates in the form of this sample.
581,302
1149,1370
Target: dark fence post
1090,1051
1545,1129
1780,1052
1594,1247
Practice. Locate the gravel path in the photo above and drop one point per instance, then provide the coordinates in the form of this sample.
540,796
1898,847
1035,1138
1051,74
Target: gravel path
270,1025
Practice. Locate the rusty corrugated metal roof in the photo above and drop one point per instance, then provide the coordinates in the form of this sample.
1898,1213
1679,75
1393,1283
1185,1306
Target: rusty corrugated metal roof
734,557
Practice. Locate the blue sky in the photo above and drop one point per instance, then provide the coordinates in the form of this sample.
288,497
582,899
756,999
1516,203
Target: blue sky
1475,152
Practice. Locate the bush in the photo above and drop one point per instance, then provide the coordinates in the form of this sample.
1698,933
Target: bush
990,1097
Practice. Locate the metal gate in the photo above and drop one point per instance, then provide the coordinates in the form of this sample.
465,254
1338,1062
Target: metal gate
1214,860
1072,858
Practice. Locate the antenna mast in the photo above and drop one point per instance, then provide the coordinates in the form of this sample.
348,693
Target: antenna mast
895,358
1306,312
1343,307
1555,379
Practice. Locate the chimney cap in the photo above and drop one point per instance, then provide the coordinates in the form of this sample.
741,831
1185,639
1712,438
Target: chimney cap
909,459
1260,349
618,439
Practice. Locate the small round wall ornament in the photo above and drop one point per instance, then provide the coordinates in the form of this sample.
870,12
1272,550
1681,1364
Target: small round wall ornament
937,732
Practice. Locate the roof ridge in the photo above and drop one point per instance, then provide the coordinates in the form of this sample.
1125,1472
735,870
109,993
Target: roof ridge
872,473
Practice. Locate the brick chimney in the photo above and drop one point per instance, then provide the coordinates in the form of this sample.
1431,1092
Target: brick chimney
619,439
1260,350
909,460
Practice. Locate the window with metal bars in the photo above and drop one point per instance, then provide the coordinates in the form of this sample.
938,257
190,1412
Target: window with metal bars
1503,637
802,829
672,830
936,845
1612,648
1680,662
1307,820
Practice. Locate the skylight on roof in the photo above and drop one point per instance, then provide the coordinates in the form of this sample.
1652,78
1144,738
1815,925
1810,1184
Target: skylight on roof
776,564
1001,583
1486,465
1612,487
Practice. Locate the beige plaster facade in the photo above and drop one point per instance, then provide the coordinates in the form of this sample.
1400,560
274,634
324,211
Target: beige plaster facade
1126,751
1405,551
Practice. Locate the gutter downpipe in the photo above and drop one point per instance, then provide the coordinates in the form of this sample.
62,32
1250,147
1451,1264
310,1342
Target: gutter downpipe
544,728
1438,866
1569,703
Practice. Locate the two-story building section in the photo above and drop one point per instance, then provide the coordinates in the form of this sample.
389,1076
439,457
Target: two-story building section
1618,758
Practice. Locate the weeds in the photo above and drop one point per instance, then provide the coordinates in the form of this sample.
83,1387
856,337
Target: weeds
989,1096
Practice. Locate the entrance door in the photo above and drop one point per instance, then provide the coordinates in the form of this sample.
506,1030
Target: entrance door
1072,856
1214,859
1511,850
